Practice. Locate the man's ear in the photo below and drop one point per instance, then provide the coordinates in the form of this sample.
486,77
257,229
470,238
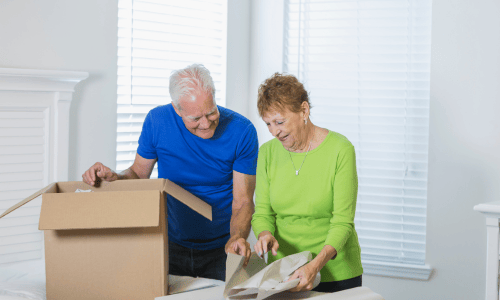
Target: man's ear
177,109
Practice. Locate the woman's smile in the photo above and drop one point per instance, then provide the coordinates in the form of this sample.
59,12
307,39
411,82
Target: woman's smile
282,139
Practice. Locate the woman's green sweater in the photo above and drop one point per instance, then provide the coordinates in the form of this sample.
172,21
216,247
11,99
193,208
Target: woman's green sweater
312,209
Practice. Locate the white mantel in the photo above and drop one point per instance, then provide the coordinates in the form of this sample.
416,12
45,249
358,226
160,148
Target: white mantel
34,135
491,211
44,90
39,80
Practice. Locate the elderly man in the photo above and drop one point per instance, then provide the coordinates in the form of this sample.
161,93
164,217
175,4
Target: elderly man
210,151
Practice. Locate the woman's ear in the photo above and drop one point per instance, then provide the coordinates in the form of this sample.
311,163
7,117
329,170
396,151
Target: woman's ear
305,110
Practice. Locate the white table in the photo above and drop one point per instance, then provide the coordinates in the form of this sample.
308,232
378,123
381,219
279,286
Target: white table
215,293
491,211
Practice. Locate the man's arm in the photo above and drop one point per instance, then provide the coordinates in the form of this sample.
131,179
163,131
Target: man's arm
243,209
140,169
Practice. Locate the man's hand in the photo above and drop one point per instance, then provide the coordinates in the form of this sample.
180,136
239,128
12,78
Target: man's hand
140,169
239,246
265,243
307,274
99,171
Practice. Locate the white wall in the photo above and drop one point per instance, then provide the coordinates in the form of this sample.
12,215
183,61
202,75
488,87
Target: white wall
464,145
266,53
70,35
238,56
81,36
464,150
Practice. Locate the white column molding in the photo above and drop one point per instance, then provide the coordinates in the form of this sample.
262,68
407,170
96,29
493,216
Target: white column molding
46,91
39,80
491,211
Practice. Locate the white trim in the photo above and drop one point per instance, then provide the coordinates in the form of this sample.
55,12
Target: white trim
488,208
49,92
40,80
396,270
491,211
44,89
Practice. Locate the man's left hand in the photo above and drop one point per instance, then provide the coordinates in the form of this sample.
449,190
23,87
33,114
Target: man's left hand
239,246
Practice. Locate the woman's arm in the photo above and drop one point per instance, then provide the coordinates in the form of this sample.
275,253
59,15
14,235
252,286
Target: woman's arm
308,272
345,187
264,218
345,192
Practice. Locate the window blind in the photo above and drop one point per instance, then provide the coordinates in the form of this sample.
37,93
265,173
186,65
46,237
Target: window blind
366,65
156,37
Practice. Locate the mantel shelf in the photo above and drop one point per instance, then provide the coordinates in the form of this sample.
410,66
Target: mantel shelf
491,211
489,207
34,143
39,80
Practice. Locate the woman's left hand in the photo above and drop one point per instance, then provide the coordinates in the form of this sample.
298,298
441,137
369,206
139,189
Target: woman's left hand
307,274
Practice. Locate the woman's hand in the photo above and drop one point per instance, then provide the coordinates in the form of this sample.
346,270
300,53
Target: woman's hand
265,243
307,274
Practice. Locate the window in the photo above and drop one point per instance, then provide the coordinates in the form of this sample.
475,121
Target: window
366,65
155,38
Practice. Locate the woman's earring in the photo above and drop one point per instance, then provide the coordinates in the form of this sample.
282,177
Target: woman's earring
305,121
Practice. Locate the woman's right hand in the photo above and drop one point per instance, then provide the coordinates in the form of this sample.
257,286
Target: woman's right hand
265,243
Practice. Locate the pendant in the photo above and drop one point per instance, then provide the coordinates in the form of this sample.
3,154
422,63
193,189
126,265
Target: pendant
296,172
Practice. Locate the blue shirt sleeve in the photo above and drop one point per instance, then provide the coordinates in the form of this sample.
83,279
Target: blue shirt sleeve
247,151
147,144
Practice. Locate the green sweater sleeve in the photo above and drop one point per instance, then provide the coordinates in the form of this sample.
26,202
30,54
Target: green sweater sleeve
345,191
264,217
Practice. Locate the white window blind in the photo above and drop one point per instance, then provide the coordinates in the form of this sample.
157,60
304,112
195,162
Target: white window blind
366,65
156,37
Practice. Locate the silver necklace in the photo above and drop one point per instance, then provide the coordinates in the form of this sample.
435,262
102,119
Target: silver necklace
310,143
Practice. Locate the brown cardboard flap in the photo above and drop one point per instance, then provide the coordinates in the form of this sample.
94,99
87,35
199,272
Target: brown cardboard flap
189,199
132,185
123,209
118,185
51,188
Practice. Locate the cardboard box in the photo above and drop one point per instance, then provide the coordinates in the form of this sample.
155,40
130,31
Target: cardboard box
111,243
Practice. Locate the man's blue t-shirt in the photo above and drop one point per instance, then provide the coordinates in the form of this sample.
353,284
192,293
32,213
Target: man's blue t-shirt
204,167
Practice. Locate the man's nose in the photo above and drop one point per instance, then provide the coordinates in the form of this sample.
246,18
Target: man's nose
204,123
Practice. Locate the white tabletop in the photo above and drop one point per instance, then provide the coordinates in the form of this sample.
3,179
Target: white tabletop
215,293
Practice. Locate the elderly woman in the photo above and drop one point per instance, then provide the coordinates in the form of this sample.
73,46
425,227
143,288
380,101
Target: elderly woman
306,190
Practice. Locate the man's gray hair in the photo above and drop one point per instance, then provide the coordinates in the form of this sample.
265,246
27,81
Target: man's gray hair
188,80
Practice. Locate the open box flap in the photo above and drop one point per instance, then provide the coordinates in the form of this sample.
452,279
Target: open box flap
109,186
117,209
165,185
51,188
189,199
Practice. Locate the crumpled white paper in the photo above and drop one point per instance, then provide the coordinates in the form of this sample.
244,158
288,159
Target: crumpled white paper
258,281
82,191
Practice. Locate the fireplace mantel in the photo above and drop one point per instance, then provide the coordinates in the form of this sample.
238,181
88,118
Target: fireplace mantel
44,90
40,80
34,135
